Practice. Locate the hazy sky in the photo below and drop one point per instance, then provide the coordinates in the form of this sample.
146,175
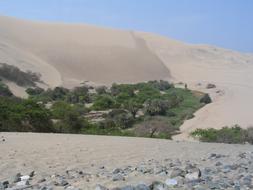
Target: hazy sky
225,23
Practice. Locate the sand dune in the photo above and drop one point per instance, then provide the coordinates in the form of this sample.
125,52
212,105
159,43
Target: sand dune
81,52
68,54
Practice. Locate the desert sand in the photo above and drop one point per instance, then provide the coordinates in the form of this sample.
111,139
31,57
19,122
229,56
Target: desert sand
52,154
69,54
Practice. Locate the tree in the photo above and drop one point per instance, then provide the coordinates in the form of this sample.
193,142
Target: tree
34,91
101,90
156,107
104,102
133,107
79,95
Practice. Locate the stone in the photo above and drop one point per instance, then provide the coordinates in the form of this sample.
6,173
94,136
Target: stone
129,187
177,172
46,188
63,182
142,187
25,178
210,86
17,178
158,186
171,182
218,164
41,180
32,174
100,187
193,176
118,177
117,170
22,183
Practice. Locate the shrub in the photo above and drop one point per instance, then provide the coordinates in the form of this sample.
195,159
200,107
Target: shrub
161,85
24,116
206,99
233,135
34,91
104,102
133,107
4,90
155,127
79,95
101,90
156,107
122,118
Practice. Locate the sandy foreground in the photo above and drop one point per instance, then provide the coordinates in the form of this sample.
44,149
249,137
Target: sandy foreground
50,154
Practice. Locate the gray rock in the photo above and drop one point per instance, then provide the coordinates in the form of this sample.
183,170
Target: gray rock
210,86
117,170
17,178
4,185
193,176
158,186
171,182
22,183
177,172
129,187
142,187
213,185
32,174
41,180
118,177
46,188
218,164
100,187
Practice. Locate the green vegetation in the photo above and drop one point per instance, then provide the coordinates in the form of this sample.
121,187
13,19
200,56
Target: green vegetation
21,78
154,109
4,90
23,115
233,135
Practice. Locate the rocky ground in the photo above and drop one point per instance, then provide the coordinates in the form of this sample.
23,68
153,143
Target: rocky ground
215,170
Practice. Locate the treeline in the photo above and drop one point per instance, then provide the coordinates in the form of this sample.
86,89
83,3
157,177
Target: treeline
151,109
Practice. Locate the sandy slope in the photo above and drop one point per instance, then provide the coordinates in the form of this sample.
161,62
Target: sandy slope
232,72
77,53
69,54
50,154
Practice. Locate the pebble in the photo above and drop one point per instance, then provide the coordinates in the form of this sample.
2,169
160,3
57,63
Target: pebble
216,171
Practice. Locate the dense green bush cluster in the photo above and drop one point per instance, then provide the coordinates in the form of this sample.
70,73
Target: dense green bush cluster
157,108
21,78
23,115
233,135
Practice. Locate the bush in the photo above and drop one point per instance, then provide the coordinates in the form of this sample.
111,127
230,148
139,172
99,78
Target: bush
206,99
101,90
34,91
233,135
104,102
122,118
161,85
24,116
156,107
157,126
4,90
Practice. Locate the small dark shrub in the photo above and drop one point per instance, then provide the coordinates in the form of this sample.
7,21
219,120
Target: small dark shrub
206,99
